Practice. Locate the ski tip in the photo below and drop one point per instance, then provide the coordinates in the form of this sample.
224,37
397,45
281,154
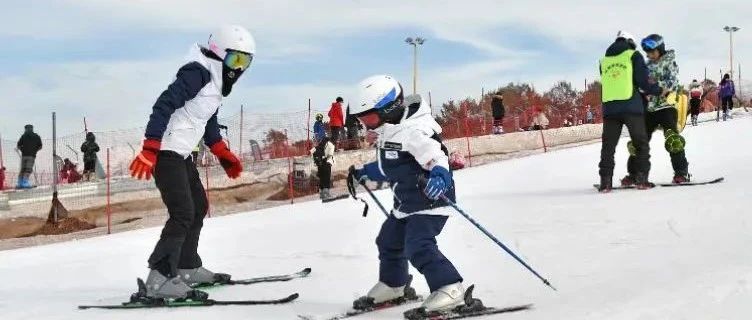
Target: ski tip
292,297
306,271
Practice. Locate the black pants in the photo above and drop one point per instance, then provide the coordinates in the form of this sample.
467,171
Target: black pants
325,175
727,103
667,119
612,126
90,166
694,106
335,135
182,192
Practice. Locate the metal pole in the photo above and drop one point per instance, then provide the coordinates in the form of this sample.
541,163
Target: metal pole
731,54
86,127
308,127
54,167
415,68
289,169
430,104
109,208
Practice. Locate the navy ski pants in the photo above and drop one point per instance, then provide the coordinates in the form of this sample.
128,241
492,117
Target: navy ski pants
414,239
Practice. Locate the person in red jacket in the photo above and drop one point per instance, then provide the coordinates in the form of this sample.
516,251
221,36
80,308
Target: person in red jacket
336,120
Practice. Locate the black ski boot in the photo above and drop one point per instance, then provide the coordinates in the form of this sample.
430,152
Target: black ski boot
606,184
641,182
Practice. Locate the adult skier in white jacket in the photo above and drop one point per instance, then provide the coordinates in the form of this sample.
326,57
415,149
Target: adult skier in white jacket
183,114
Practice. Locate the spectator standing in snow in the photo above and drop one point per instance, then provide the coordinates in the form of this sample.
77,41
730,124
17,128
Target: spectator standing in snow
353,128
726,94
90,149
319,131
29,144
336,120
497,111
589,116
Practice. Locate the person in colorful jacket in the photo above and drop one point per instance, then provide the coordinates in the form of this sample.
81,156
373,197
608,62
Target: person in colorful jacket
662,110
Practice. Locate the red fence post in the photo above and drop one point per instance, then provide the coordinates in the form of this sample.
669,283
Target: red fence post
240,139
289,168
208,202
109,208
467,139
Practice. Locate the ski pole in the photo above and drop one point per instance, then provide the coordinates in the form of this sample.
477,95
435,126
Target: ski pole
492,237
373,196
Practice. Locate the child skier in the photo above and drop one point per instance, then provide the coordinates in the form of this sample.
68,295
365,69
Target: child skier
662,112
90,149
323,158
695,100
409,151
181,116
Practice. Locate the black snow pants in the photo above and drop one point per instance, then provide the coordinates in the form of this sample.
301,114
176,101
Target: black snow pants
182,192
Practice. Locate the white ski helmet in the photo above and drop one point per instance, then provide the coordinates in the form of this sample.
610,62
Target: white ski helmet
232,37
376,92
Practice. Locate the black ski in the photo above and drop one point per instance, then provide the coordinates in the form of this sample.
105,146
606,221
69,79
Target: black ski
692,183
670,184
161,303
335,198
484,312
353,312
278,278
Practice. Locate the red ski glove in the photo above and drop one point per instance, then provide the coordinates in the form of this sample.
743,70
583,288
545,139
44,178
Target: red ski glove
143,165
227,159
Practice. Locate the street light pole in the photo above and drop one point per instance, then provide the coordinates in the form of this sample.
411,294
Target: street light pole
731,31
415,43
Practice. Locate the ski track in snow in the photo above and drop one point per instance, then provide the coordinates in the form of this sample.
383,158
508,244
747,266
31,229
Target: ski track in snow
666,253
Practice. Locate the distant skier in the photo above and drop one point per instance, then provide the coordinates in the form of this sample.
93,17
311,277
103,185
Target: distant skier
661,111
323,158
409,149
695,101
336,121
90,149
623,74
726,93
319,131
497,111
181,116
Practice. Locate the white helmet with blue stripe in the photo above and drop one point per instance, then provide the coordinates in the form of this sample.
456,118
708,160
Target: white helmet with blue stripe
379,92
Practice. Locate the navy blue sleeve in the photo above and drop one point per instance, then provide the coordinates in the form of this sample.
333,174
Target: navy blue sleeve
211,132
372,171
190,79
640,76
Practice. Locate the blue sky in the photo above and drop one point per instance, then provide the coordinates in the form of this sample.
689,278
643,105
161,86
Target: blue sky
108,60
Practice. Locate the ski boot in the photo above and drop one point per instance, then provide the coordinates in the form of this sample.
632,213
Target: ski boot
628,181
641,182
201,277
680,178
159,287
450,299
325,193
382,294
606,184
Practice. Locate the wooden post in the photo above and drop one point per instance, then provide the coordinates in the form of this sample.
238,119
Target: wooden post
543,139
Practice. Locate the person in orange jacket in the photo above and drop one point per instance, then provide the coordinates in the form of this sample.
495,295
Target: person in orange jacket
336,120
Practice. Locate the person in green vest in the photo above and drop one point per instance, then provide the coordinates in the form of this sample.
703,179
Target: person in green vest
623,75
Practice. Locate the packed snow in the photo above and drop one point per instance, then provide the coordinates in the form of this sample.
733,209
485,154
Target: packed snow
666,253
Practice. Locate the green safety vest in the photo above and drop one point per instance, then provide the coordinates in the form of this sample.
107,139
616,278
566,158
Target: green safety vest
616,77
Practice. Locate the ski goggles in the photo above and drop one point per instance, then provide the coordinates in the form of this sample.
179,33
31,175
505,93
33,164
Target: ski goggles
371,119
650,44
238,60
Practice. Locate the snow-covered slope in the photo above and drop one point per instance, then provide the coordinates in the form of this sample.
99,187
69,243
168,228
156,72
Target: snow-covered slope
666,253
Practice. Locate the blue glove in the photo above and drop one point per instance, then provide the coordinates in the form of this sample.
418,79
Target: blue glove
439,181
